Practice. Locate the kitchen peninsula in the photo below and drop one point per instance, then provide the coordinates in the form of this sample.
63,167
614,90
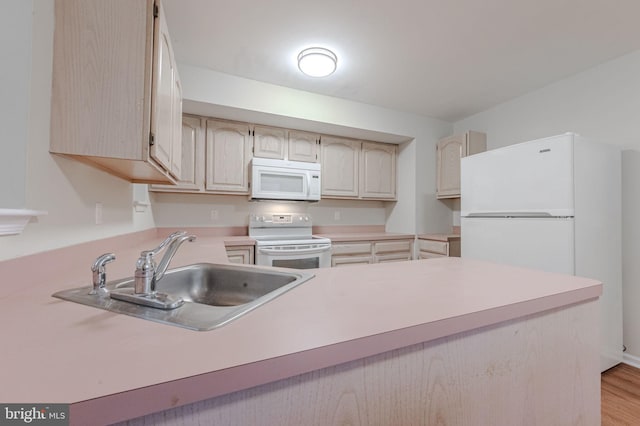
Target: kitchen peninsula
444,340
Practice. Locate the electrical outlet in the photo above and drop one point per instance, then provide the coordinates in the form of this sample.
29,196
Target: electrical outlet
98,213
214,215
336,215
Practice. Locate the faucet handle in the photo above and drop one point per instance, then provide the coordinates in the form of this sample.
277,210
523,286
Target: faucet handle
100,272
145,261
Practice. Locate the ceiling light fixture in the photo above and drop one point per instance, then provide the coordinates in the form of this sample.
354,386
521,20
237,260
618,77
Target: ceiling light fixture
317,62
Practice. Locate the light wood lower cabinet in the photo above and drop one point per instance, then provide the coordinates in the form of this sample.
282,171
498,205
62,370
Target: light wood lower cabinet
351,253
429,249
375,251
241,254
392,251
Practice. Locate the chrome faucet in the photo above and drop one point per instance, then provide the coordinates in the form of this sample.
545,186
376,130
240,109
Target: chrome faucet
99,270
147,272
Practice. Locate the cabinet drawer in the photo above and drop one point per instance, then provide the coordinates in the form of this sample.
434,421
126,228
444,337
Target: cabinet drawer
439,247
429,255
350,260
395,257
351,248
392,246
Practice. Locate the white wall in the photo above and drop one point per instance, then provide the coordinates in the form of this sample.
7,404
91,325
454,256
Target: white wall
175,210
15,44
66,189
601,104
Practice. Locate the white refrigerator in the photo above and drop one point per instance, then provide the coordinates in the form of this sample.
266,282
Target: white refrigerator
552,204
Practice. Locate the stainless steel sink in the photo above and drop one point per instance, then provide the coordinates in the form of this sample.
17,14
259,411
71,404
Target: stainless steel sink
214,294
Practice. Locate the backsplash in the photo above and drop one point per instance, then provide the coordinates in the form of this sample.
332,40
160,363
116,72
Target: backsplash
202,210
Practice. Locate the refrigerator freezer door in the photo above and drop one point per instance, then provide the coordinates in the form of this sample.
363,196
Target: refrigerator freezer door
538,243
530,177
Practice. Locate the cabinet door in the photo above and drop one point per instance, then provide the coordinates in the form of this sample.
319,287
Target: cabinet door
303,146
378,171
269,142
101,114
392,257
432,246
241,254
176,127
164,86
228,153
339,159
449,151
192,168
475,142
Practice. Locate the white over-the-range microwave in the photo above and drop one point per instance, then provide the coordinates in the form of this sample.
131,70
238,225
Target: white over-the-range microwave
273,179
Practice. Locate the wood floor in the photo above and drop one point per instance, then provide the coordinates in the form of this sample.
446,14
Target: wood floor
621,396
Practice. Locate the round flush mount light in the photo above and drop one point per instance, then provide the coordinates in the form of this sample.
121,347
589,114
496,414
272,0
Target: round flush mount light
317,62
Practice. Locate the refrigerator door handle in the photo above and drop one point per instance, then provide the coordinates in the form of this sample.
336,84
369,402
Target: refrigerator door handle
510,214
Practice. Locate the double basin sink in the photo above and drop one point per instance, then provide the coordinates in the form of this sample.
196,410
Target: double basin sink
213,294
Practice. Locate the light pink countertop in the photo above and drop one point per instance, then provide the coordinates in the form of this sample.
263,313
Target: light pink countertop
59,351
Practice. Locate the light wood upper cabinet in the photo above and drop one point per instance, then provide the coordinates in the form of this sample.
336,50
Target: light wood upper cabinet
269,142
228,153
303,146
283,144
176,147
358,170
340,160
378,171
119,121
449,152
192,167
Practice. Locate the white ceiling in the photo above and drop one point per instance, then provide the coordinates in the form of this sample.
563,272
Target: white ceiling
446,59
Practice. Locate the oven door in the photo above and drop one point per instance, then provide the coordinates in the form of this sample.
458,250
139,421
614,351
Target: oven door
294,256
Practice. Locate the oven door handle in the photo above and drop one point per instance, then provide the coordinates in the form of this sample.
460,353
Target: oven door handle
295,251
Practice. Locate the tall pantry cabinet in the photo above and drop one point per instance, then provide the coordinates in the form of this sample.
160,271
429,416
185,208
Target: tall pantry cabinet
116,94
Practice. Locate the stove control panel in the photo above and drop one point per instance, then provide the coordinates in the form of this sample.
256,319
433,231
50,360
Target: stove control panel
281,219
276,220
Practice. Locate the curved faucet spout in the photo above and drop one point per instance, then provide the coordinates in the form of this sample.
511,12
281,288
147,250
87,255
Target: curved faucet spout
168,255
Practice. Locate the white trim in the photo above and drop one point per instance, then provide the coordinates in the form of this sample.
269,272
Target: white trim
13,221
631,360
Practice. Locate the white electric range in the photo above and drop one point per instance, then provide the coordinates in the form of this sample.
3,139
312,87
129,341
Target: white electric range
286,240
